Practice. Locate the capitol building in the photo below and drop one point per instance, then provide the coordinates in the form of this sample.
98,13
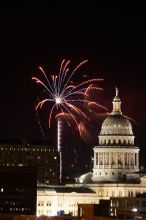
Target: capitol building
116,156
115,170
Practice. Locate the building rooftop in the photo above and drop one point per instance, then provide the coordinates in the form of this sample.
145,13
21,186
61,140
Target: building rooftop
66,189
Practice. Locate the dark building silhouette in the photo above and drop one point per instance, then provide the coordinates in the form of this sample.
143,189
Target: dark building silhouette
18,190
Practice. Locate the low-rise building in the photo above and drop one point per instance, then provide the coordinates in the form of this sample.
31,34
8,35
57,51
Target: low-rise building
43,157
18,191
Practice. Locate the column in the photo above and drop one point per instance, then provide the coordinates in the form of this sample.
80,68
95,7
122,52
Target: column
130,160
94,158
133,155
116,159
109,159
137,161
103,159
124,160
128,156
127,164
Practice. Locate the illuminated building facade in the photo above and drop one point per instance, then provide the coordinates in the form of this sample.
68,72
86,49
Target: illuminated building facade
45,158
115,170
50,201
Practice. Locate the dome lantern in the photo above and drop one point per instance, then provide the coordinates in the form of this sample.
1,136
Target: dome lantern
116,104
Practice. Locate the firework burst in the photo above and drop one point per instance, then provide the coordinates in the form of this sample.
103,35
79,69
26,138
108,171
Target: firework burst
65,98
63,95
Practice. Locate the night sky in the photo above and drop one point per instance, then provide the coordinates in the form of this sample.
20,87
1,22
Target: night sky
114,42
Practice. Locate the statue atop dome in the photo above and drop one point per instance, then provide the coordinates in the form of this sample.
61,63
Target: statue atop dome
116,104
117,91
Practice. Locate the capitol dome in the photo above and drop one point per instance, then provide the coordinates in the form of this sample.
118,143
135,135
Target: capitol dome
116,123
116,129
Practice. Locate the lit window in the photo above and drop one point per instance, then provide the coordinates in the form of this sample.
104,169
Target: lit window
20,165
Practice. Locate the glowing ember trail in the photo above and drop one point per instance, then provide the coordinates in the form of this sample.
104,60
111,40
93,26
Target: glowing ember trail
66,98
